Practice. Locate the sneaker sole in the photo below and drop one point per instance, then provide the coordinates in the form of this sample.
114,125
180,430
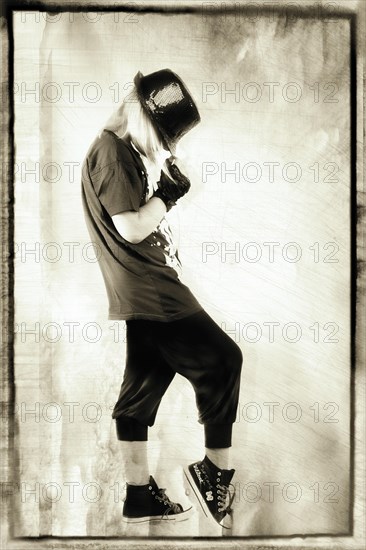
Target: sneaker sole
198,495
183,516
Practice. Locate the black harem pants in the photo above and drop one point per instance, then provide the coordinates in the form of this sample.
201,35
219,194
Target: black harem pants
198,349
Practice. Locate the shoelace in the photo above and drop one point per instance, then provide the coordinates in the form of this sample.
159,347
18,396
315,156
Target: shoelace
172,506
223,493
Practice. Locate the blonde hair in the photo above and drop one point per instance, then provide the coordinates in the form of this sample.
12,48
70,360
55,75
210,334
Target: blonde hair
131,121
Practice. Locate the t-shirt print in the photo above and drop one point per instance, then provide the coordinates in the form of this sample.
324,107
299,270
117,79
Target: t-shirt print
163,237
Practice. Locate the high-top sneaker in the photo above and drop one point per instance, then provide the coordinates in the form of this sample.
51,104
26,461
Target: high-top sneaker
150,503
211,486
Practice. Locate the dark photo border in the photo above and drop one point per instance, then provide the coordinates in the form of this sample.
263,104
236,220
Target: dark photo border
355,12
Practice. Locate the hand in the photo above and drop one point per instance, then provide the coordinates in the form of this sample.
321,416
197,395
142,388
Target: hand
174,165
170,190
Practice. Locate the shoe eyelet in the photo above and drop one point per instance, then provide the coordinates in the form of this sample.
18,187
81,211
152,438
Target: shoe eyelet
150,487
219,473
153,492
218,479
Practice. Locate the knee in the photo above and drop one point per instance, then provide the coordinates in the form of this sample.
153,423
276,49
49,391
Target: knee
234,359
238,358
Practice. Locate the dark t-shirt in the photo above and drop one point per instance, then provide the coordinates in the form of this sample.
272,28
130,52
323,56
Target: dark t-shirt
142,280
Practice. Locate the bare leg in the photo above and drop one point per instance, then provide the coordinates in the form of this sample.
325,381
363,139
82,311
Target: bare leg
135,462
220,457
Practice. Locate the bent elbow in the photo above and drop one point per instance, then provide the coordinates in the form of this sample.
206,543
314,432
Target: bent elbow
130,236
133,239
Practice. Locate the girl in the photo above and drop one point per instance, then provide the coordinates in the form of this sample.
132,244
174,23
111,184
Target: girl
168,331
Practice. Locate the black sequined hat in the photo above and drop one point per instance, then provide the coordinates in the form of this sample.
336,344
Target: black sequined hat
168,103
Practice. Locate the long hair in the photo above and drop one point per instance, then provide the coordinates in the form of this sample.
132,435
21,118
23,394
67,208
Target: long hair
131,121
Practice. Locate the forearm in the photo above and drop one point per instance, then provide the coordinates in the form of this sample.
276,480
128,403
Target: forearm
136,226
148,217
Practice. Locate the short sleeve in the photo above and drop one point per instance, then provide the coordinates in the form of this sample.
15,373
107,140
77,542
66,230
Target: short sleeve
120,187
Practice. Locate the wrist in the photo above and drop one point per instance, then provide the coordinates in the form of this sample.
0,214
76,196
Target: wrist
168,202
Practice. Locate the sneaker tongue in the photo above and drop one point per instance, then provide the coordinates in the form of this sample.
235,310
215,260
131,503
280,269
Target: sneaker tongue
153,483
227,476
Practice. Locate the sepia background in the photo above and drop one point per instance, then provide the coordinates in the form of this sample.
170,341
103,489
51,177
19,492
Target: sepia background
269,163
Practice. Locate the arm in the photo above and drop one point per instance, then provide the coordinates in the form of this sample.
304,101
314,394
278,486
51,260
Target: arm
136,226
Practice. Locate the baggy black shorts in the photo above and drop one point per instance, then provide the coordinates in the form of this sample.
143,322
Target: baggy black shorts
198,349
